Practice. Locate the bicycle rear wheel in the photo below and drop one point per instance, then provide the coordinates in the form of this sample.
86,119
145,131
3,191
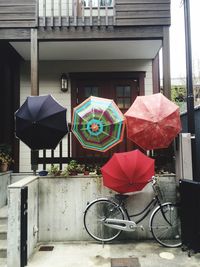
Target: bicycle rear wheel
165,225
95,215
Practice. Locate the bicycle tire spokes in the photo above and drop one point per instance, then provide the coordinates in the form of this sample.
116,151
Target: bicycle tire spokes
95,217
165,225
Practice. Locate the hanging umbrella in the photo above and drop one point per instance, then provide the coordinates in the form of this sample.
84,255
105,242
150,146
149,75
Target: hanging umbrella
153,121
128,171
98,124
41,122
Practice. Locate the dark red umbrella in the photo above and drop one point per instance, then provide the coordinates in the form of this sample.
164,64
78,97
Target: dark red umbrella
153,121
128,171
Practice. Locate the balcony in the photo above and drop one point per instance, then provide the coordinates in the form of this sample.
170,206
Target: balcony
75,13
83,13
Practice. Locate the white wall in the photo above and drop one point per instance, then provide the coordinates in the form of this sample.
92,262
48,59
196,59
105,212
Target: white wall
49,83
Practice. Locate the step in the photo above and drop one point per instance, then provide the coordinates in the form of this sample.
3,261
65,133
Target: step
4,215
3,232
4,211
3,248
3,262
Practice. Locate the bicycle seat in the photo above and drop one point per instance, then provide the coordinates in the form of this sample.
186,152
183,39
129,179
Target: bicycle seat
121,197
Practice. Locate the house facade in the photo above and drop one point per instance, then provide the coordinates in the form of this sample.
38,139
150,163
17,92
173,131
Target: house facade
106,48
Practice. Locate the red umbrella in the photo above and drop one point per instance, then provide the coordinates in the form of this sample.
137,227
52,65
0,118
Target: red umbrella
128,171
153,121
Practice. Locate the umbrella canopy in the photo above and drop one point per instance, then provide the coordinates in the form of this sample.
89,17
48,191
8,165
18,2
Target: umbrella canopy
98,123
41,122
153,121
128,171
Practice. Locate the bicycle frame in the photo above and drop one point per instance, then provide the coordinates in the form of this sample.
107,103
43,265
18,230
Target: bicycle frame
150,206
129,224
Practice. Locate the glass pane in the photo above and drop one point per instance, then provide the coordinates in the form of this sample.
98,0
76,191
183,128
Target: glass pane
87,92
127,91
120,103
127,103
95,3
90,90
119,91
94,91
104,2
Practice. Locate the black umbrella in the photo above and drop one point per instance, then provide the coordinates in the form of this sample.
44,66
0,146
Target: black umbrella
41,122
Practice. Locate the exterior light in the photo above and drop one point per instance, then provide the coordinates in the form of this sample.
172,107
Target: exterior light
64,82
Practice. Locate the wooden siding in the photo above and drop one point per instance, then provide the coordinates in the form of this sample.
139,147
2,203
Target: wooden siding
25,13
142,12
17,14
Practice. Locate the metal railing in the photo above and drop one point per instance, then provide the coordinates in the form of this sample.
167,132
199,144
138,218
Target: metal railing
75,13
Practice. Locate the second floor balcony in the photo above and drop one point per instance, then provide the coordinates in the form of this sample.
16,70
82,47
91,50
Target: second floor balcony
73,13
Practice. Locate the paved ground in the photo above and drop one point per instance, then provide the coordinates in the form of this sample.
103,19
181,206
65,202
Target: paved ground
86,254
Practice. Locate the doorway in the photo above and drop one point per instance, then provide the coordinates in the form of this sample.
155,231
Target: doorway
123,88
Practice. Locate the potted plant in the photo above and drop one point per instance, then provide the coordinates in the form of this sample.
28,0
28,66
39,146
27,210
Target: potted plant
5,157
87,170
5,161
80,169
72,167
54,170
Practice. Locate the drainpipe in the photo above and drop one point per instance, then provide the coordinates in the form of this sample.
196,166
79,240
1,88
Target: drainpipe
189,85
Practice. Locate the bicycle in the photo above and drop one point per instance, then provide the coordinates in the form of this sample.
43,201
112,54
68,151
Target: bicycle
106,218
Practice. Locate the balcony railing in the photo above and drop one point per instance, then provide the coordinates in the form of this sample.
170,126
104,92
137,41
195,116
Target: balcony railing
75,13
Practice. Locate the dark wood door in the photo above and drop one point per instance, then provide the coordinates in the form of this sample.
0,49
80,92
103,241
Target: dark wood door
122,91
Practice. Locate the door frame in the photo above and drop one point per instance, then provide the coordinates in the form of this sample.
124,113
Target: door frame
82,76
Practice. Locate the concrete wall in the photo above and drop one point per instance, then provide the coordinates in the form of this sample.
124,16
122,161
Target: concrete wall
56,207
49,83
14,219
62,202
4,182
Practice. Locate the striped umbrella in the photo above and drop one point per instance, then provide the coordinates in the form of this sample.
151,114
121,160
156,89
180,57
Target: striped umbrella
98,123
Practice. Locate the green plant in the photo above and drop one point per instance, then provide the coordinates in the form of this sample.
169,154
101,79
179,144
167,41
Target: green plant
80,168
54,170
5,158
65,172
5,154
72,167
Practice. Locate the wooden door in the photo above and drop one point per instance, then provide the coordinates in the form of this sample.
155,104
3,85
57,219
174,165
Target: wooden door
122,91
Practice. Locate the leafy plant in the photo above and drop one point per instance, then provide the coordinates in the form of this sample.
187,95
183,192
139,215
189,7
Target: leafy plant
5,158
5,154
72,167
54,170
65,172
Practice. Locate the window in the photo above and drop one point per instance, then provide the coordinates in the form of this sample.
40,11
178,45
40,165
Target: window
90,90
102,3
123,96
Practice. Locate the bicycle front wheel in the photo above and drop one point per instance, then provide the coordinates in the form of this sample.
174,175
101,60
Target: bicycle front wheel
165,225
95,215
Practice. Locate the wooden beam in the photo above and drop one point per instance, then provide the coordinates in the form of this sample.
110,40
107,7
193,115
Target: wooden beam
34,63
166,63
101,33
156,74
84,33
